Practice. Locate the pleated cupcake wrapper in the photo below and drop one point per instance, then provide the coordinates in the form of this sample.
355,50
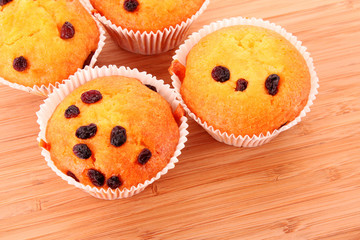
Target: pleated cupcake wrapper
148,43
244,141
46,90
81,77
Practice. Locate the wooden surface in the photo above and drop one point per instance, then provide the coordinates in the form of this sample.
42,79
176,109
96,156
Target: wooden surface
305,184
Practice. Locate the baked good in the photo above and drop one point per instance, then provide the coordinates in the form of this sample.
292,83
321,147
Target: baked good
45,41
112,132
244,80
147,15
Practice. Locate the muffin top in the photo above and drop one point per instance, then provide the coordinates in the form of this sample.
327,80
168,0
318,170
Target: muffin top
45,41
112,132
147,15
245,80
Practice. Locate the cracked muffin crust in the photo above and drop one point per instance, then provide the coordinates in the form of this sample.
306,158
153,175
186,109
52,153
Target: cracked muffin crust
112,132
45,41
244,80
147,15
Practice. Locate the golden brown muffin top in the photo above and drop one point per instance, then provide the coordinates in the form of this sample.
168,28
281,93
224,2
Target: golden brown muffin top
44,41
112,132
245,80
147,15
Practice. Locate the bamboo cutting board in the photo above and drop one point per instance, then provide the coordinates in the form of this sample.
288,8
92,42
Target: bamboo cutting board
305,184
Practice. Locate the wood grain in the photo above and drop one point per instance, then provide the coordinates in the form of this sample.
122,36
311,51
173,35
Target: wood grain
303,185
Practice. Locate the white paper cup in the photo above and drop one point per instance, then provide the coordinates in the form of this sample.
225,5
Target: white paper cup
81,77
244,141
46,90
147,43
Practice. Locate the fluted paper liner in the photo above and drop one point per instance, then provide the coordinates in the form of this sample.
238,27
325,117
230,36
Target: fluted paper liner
46,90
147,43
244,141
81,77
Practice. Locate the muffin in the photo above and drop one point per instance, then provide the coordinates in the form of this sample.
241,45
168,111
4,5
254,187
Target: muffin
43,42
147,26
112,132
147,15
244,80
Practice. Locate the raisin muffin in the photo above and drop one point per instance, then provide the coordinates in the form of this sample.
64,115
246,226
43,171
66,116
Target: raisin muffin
244,80
112,132
43,42
147,15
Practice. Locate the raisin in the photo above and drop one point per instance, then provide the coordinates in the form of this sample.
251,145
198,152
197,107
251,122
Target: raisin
241,85
3,2
88,59
72,112
96,177
67,31
151,87
118,136
20,64
86,132
114,182
91,96
131,5
82,151
144,156
272,84
70,174
220,74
